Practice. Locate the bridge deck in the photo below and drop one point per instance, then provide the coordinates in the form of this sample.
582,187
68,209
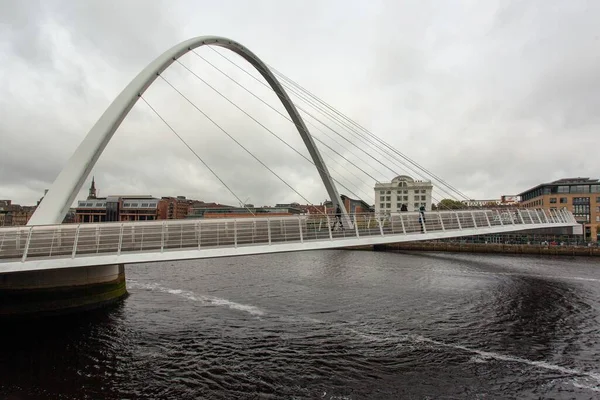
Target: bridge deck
73,245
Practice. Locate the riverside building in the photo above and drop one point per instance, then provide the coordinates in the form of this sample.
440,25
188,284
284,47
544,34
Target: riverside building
402,190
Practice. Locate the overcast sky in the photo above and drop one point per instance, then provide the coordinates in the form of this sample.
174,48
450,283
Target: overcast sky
492,96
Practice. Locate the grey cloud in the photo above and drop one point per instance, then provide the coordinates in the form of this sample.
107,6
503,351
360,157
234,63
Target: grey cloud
488,95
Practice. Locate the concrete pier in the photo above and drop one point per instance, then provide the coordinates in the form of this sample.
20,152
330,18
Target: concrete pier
58,291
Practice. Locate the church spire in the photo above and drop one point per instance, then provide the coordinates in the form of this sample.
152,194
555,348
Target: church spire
92,193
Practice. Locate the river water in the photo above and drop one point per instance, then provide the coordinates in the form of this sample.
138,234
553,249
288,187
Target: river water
324,325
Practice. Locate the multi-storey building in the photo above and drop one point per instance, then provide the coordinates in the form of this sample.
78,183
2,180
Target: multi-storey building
402,193
353,206
174,207
581,196
115,208
14,214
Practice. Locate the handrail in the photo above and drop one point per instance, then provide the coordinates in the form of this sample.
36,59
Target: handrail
80,240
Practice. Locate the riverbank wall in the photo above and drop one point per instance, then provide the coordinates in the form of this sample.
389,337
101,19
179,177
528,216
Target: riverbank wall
489,248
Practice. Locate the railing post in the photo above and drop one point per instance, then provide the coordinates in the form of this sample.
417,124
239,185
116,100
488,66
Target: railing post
199,233
235,233
520,217
120,240
97,238
329,228
402,223
26,249
379,221
473,218
530,217
487,219
300,230
355,225
441,221
162,236
551,216
181,236
269,229
458,220
75,241
500,217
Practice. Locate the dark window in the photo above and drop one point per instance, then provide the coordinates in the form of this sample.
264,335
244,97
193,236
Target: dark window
581,200
580,189
563,189
563,200
553,200
595,188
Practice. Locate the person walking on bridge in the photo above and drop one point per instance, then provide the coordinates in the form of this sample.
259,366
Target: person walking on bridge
338,218
422,218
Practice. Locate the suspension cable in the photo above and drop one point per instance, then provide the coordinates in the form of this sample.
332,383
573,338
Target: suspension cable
315,118
260,124
327,126
290,120
196,154
236,141
350,121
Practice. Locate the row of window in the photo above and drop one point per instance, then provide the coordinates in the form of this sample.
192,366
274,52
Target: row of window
403,191
401,198
576,200
399,205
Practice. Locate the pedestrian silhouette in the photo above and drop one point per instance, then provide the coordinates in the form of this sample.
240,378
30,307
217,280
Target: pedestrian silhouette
338,217
422,218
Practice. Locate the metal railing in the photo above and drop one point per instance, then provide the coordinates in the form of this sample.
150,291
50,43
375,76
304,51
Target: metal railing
79,240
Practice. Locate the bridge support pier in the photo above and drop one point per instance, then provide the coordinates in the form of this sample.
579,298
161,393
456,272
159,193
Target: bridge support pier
58,291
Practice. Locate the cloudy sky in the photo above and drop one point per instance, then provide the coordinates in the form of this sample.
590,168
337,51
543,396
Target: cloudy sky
492,96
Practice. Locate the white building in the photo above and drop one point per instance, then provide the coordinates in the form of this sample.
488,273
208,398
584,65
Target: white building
390,196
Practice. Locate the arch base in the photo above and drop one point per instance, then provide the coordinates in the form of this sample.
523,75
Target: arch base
60,291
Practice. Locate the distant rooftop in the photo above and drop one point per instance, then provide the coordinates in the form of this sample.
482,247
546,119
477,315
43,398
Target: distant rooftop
574,180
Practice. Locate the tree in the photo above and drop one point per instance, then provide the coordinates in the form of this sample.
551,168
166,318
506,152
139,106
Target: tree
449,204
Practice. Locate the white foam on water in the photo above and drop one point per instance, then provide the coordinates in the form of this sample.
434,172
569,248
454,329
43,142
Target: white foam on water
502,357
189,295
522,275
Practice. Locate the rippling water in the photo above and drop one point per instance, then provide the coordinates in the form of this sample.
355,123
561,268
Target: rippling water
327,324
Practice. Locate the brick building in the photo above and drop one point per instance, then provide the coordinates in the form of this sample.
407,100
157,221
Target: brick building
581,196
174,207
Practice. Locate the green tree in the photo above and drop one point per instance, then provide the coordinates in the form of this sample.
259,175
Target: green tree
449,204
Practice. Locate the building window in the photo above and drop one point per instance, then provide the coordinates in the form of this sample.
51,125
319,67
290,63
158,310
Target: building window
597,199
598,209
382,192
381,205
595,188
423,198
563,200
553,200
398,198
387,205
416,206
389,192
405,198
563,189
597,218
581,200
388,198
381,198
399,206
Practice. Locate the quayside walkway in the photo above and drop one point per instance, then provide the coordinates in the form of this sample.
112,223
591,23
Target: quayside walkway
44,247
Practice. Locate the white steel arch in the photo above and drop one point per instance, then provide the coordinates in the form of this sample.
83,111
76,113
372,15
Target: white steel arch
62,193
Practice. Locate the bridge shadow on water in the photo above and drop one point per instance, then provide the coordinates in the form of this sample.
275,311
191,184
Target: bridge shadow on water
43,356
522,313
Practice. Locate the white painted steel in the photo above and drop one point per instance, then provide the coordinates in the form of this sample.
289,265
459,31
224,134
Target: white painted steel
122,243
62,193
